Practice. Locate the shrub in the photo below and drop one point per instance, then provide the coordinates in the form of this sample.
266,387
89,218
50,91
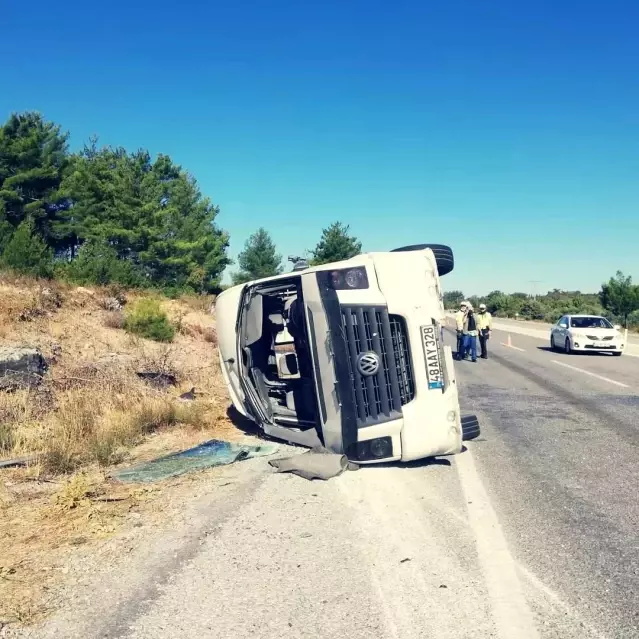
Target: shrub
27,253
98,263
147,319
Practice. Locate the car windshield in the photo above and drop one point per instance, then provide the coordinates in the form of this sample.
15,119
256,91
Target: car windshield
589,322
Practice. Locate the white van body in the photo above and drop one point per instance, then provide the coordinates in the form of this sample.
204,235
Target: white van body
349,355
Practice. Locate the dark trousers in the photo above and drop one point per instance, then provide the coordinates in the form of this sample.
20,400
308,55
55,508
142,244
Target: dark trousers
460,345
483,343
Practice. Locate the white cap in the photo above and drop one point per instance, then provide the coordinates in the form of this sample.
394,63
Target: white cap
482,307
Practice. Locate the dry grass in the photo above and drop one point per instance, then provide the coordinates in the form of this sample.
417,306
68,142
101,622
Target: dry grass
197,331
114,319
198,303
91,412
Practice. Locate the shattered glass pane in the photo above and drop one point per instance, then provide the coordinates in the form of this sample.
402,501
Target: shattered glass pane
212,453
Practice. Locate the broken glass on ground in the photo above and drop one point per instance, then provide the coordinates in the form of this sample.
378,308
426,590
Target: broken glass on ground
212,453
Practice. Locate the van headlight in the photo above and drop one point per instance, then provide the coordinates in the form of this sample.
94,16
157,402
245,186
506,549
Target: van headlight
349,278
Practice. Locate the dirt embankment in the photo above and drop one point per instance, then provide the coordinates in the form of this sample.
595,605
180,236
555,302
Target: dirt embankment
92,412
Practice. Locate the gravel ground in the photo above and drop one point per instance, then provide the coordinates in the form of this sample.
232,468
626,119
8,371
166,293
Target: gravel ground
532,532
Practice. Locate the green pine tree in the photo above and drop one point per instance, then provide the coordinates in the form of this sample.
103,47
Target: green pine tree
27,253
452,299
620,296
33,161
335,245
6,230
258,259
151,213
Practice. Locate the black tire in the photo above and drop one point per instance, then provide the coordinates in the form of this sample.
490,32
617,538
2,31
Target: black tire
470,427
443,255
567,348
553,346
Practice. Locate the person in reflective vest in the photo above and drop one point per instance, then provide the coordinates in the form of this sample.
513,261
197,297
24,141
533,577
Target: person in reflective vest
459,324
484,325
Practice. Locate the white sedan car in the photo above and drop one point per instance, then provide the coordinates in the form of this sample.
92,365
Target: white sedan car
586,333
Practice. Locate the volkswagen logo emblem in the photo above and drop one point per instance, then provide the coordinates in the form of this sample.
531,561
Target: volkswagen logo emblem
368,363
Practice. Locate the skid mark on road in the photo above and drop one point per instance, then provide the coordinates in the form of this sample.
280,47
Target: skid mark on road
511,613
585,372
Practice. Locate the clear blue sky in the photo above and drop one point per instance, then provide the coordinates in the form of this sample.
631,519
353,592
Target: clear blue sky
509,130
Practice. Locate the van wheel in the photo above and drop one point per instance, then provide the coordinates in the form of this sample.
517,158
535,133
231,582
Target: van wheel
567,347
443,255
553,346
470,427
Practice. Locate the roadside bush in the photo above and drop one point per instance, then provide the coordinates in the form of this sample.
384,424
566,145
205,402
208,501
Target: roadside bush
147,319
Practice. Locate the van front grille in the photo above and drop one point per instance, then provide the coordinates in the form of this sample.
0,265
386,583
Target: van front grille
380,339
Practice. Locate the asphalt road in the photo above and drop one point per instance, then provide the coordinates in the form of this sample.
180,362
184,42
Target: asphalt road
532,532
560,463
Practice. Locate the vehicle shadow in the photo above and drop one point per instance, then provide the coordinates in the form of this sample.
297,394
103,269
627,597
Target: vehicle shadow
419,463
562,353
244,424
547,349
250,428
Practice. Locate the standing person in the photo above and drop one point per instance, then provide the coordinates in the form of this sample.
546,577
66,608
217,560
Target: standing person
470,334
484,325
459,323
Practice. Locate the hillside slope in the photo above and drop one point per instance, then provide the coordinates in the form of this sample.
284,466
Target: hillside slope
91,413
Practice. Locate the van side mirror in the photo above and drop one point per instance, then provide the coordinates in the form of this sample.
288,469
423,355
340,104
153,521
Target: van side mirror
617,327
563,325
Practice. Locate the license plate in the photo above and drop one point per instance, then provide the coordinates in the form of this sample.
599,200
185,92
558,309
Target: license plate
601,345
434,372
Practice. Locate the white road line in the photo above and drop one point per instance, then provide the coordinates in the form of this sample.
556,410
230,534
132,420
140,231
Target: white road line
523,350
581,370
511,613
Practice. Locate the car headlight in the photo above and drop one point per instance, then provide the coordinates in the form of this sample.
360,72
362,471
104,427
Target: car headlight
349,278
